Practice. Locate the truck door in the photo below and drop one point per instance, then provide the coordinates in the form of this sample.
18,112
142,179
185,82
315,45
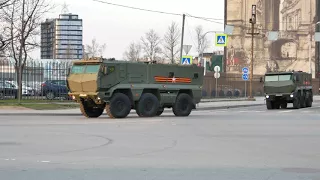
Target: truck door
115,74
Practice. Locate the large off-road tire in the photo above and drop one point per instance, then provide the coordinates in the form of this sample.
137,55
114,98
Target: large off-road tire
160,111
284,105
108,111
138,112
183,105
119,107
303,101
90,112
296,102
277,105
309,99
270,104
148,105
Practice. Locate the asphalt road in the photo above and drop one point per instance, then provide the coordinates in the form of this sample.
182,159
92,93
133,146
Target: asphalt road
249,143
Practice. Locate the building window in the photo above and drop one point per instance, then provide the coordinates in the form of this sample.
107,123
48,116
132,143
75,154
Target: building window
69,23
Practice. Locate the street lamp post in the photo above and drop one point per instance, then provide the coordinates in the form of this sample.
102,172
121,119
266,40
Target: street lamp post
310,46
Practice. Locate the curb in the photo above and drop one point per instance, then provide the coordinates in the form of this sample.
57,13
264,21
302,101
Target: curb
132,112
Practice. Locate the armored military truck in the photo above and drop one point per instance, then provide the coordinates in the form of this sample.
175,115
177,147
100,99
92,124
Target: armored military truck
281,88
120,86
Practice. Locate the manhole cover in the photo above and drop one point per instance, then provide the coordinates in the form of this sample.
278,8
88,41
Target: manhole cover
301,170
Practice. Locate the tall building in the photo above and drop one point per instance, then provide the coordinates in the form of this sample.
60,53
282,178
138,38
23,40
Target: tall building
295,22
61,38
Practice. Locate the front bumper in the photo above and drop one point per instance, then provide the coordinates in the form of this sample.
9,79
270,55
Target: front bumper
77,96
280,96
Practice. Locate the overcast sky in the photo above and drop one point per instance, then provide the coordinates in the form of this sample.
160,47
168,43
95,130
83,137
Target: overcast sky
118,26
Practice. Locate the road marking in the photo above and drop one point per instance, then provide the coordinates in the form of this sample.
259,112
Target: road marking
285,111
44,161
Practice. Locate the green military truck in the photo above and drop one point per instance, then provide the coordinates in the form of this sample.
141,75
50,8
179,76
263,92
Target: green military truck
120,86
281,88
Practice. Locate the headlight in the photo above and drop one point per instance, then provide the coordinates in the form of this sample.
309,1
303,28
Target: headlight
267,96
291,95
73,97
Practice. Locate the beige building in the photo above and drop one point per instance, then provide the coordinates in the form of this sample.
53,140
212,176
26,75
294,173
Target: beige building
294,19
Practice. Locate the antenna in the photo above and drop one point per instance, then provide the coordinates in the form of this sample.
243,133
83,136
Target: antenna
65,9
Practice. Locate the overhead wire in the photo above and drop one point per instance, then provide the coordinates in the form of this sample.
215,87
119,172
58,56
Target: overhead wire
141,9
208,19
213,20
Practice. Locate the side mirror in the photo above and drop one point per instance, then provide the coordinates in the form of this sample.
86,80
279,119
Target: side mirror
68,72
105,70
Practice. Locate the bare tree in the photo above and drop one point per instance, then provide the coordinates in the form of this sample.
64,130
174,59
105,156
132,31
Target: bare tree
150,45
202,41
95,49
4,31
171,42
133,52
23,17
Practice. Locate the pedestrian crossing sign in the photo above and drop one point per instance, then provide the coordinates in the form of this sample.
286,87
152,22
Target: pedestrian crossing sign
221,40
186,60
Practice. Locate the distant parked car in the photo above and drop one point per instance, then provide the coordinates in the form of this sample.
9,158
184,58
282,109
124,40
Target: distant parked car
26,89
7,89
54,88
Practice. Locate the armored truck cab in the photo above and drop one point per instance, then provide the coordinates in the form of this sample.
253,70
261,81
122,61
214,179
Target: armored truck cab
281,88
119,86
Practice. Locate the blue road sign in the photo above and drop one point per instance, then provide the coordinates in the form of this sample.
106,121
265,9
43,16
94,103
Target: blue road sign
221,40
186,60
245,70
245,77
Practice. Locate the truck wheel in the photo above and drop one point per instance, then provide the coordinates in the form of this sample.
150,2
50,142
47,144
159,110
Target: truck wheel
119,107
160,111
309,100
270,104
296,103
90,112
303,101
276,105
108,111
148,105
183,105
284,105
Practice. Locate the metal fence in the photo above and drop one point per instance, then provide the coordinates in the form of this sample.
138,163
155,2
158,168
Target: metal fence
37,77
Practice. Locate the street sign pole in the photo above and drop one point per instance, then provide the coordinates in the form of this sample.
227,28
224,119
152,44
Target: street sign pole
216,87
217,75
245,76
245,88
252,20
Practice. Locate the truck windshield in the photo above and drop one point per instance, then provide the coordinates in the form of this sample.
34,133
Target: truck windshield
283,77
79,69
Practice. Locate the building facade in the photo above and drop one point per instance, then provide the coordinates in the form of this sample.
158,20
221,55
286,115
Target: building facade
61,38
294,20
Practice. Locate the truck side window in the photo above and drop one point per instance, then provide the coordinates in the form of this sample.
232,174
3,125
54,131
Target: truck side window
195,75
111,69
171,74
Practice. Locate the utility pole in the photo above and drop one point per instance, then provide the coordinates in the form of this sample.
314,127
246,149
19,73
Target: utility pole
182,36
252,20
